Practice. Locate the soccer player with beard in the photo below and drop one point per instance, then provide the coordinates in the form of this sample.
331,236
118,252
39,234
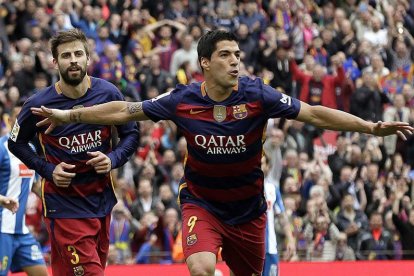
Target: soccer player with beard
223,120
77,188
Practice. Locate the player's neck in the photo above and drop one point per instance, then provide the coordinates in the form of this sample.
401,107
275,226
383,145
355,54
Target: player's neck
216,92
74,92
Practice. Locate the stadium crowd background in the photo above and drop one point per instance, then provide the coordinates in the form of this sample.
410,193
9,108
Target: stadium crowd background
351,201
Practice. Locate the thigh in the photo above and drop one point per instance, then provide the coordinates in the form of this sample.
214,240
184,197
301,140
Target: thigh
6,253
103,240
75,246
271,265
244,247
200,231
27,253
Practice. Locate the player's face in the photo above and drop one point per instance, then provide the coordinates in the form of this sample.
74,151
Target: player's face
72,62
225,63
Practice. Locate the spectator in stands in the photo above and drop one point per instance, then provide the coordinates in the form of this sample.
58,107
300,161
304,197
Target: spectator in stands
343,251
254,20
167,197
398,111
338,159
318,88
85,21
368,100
145,201
157,244
154,76
184,54
24,78
278,63
404,226
351,221
377,243
119,231
377,67
322,236
248,47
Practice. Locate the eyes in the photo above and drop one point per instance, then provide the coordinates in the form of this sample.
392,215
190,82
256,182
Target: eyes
227,54
68,55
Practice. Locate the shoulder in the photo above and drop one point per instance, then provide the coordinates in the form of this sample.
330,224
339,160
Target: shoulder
99,84
106,89
186,91
41,97
251,83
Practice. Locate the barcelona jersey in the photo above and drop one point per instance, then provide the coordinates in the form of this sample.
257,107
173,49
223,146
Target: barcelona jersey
89,194
224,144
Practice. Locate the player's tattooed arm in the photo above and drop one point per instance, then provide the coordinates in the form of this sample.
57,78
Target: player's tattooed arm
134,107
75,116
136,111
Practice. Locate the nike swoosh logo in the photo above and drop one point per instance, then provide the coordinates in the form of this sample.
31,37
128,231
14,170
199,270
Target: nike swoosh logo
192,112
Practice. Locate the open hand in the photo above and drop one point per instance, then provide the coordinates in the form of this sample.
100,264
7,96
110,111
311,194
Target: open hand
61,177
54,117
101,162
389,128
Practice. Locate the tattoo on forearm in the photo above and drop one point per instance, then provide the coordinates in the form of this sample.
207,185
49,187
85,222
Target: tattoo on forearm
75,117
134,107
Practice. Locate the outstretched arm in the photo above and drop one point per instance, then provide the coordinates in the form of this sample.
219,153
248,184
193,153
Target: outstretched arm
112,113
332,119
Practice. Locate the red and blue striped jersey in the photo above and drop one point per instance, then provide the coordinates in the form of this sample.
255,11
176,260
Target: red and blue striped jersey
224,144
89,194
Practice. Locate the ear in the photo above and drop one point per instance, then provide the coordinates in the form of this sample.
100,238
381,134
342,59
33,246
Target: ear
55,63
88,59
205,63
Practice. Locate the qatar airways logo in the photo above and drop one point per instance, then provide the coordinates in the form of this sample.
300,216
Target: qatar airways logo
81,142
217,144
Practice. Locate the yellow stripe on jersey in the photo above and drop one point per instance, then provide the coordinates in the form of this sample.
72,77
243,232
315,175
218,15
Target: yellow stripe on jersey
182,186
43,196
264,138
112,181
43,180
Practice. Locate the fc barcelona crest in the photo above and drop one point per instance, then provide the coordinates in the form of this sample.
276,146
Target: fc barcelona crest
240,111
220,113
192,239
78,271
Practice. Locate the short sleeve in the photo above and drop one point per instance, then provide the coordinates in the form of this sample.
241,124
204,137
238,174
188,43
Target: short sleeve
162,107
278,105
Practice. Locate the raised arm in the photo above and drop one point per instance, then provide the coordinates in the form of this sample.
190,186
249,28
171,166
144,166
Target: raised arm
111,113
327,118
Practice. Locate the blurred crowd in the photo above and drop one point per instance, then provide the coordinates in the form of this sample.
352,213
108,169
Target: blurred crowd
347,200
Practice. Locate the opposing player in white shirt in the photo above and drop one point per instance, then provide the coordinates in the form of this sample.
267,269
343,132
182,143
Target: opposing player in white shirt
271,166
19,251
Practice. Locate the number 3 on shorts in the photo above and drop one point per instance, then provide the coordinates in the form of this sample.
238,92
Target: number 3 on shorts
72,249
191,223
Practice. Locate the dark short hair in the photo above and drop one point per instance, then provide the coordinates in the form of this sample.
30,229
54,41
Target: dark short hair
65,37
208,42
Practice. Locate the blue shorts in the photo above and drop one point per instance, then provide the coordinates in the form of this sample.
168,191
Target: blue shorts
271,265
18,251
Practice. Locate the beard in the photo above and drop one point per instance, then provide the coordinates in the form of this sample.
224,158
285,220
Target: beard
73,80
